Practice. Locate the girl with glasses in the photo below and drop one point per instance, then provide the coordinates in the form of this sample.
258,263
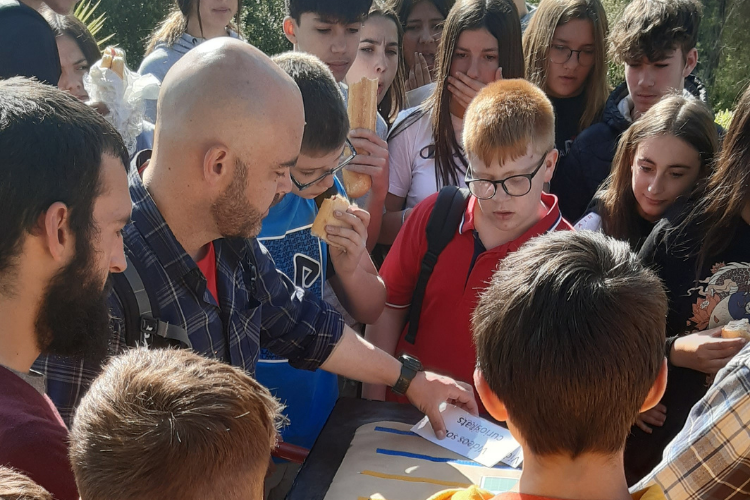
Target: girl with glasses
481,43
564,50
662,157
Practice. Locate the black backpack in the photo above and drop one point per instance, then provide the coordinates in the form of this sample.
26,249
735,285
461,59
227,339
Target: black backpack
444,219
143,328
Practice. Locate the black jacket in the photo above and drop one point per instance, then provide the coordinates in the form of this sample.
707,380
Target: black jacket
580,172
27,44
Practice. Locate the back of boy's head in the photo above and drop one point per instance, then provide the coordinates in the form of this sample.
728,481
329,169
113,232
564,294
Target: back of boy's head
570,338
654,29
17,486
171,424
339,11
326,120
504,118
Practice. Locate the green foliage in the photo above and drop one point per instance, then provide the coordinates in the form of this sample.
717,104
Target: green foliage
262,25
132,21
724,117
84,12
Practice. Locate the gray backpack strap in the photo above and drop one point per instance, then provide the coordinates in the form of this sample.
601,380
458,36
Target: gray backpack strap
149,330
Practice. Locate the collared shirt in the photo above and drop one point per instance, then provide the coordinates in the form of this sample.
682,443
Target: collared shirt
258,305
462,272
710,457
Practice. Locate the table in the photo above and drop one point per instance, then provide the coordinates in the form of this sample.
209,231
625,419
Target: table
348,415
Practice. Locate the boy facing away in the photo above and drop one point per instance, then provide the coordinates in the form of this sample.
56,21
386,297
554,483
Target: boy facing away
655,41
509,133
570,348
171,424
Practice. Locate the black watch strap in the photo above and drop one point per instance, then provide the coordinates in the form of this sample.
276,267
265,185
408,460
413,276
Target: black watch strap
410,366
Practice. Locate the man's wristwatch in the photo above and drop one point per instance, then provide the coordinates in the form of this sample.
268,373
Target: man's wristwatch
410,366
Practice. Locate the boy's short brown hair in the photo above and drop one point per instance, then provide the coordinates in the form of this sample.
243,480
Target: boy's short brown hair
169,423
570,337
504,118
17,486
654,28
326,119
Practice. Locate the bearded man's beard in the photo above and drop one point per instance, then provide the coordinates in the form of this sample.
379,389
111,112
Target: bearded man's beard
233,214
73,318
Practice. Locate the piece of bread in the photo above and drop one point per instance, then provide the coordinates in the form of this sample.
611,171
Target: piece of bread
362,109
735,329
325,217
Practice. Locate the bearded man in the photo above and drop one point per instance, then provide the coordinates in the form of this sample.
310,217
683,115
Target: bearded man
63,203
229,127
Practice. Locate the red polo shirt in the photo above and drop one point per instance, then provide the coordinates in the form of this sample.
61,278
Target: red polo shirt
444,342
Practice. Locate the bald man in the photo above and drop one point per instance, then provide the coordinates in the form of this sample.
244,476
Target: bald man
229,128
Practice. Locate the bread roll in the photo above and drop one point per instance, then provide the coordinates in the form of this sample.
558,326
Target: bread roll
735,329
325,217
362,109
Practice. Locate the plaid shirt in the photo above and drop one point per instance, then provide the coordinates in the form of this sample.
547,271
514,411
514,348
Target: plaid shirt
258,305
710,457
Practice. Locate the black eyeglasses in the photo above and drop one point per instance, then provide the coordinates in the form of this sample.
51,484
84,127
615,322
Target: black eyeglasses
346,157
515,185
560,54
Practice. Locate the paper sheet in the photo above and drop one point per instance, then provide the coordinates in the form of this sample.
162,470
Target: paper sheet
473,437
387,461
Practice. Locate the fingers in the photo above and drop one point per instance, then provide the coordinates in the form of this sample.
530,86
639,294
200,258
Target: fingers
715,365
469,82
366,135
642,426
713,332
425,70
655,416
725,345
436,420
357,220
411,82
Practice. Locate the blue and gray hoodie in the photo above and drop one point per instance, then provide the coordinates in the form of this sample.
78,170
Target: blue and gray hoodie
163,57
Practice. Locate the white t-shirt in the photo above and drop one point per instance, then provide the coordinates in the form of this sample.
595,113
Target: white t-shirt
412,160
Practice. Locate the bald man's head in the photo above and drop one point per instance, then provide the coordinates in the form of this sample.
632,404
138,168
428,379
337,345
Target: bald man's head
228,117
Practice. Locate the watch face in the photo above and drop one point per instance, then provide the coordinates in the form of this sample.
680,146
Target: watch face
411,362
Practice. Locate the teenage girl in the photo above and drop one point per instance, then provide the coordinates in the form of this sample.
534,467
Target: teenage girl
422,21
481,43
379,56
78,51
703,258
190,23
663,156
565,54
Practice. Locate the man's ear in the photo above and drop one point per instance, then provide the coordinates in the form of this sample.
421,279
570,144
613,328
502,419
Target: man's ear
290,29
549,164
657,389
491,402
54,227
216,168
691,60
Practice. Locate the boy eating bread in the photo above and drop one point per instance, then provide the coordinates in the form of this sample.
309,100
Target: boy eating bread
334,256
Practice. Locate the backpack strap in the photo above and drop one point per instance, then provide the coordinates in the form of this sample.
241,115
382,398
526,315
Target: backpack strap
142,328
441,227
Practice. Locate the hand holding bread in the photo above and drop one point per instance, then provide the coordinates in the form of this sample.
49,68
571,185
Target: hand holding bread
362,108
344,227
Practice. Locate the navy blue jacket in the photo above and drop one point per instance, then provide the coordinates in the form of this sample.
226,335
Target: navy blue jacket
580,172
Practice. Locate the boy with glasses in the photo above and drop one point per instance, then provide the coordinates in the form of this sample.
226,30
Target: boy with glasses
509,135
330,30
309,396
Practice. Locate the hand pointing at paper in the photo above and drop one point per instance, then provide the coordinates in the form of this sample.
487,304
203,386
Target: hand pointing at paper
357,359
